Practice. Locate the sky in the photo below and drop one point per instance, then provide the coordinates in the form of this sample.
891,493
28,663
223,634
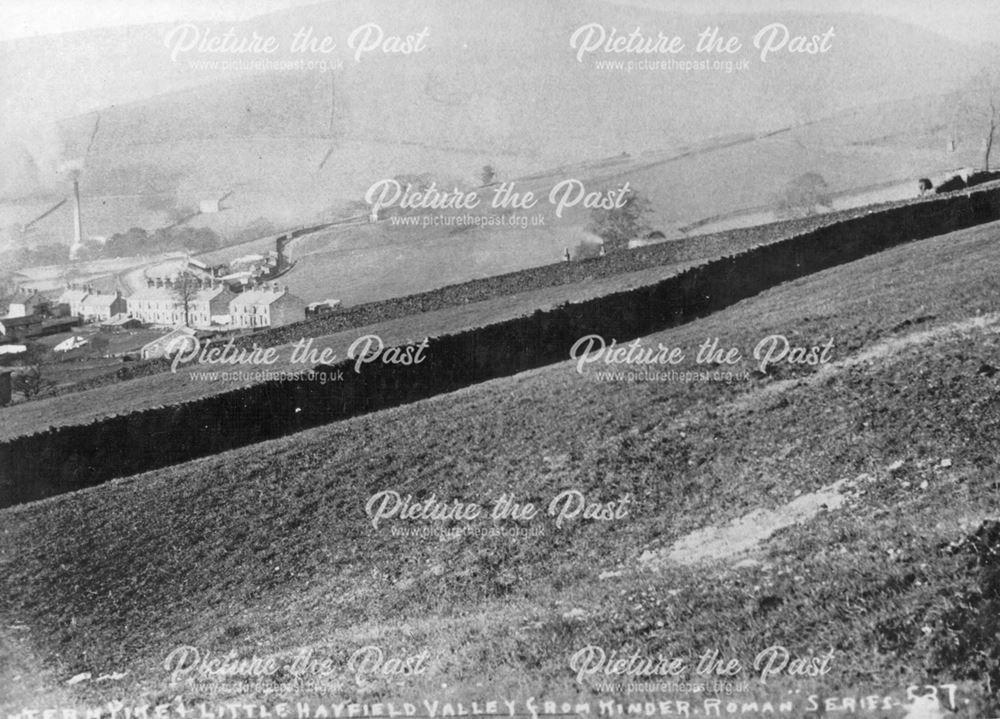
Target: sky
971,21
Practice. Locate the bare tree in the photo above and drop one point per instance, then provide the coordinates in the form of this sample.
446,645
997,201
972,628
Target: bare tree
980,110
32,381
186,288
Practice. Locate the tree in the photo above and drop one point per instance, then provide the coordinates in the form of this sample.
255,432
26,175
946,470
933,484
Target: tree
488,175
91,250
979,110
126,244
185,289
620,224
32,381
138,241
804,196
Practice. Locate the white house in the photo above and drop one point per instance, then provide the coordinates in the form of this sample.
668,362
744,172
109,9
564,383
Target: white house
208,302
164,305
101,307
73,297
153,305
265,306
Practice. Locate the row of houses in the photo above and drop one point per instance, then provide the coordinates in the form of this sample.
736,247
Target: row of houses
198,304
80,302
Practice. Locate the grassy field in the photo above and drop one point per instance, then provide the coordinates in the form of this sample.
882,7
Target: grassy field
267,549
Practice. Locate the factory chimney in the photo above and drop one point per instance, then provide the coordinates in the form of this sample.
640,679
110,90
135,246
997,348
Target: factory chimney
77,222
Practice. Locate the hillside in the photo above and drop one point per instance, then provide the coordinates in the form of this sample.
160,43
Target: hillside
268,549
451,309
858,153
496,85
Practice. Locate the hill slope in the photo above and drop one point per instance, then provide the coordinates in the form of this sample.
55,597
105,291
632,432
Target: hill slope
496,84
268,549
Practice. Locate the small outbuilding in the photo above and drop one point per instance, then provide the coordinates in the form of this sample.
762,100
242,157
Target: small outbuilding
21,326
315,309
121,322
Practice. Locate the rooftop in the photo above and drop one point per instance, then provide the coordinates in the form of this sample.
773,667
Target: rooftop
99,300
